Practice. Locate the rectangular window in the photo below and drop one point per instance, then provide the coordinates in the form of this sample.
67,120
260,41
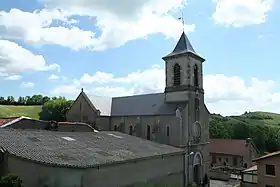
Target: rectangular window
214,159
270,169
235,161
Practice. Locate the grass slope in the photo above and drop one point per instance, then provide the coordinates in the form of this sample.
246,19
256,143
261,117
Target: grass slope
16,111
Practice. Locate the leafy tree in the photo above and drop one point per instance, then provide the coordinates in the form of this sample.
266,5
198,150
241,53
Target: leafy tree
55,110
11,180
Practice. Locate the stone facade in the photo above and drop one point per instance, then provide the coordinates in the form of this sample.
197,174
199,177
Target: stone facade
187,126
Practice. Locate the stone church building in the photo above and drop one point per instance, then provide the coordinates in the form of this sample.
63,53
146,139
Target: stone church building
177,117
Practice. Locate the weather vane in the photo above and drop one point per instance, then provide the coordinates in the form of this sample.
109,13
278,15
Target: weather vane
182,19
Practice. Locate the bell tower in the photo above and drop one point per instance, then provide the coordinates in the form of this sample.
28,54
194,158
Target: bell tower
183,69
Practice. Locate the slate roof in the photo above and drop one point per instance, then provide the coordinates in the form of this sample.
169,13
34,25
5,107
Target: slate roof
139,105
183,45
229,147
80,150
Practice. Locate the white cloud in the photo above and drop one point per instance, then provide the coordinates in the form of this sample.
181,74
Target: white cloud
239,13
226,95
27,84
14,59
66,90
53,77
13,77
118,22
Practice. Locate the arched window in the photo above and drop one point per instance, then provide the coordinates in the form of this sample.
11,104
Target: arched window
196,106
130,130
148,132
115,127
176,75
196,79
167,131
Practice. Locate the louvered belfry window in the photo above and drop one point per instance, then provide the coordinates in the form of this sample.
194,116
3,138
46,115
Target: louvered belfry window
177,75
196,78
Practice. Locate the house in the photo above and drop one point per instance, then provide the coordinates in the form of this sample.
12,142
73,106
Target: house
177,117
28,123
237,154
269,169
86,159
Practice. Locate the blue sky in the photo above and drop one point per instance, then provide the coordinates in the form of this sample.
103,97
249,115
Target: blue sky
56,47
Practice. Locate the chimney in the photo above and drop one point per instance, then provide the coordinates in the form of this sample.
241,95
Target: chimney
248,141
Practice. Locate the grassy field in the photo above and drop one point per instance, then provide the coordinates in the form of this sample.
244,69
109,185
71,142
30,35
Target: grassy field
16,111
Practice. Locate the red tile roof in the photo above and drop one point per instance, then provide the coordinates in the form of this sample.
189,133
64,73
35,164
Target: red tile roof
4,121
229,147
276,153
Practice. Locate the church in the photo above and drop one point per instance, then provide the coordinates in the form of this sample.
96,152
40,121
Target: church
177,117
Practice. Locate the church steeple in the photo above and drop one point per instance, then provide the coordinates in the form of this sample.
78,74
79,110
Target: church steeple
184,46
183,71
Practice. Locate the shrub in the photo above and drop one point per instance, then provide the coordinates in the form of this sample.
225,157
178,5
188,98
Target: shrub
11,180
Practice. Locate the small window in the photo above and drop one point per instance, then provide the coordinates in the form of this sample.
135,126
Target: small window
80,106
167,131
148,132
270,169
234,161
115,127
130,130
226,159
245,165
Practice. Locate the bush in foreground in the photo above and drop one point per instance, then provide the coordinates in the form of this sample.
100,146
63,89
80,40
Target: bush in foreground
11,180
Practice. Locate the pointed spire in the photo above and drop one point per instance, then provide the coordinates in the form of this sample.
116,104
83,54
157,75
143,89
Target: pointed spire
183,45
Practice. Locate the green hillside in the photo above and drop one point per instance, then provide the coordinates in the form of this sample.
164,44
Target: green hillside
254,118
16,111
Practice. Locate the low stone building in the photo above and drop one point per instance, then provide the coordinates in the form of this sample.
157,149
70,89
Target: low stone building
87,159
232,153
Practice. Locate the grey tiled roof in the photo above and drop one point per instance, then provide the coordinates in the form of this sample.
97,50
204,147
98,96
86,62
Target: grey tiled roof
80,150
183,46
139,105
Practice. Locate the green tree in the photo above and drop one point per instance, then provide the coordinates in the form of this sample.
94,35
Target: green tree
55,110
11,180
